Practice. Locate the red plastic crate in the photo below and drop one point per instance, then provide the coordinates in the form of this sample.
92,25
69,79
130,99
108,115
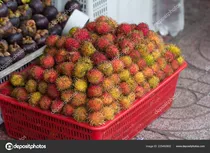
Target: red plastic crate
25,122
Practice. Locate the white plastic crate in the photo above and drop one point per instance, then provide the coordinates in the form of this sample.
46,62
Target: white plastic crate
130,11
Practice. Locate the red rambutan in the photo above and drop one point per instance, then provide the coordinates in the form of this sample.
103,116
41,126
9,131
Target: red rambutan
95,76
37,72
112,52
94,91
52,91
98,58
50,75
117,65
72,44
47,61
51,40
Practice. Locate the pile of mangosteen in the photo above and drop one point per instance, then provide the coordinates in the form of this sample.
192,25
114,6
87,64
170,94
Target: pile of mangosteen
25,25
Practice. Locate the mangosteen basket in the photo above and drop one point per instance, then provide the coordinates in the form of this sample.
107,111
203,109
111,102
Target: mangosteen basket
23,120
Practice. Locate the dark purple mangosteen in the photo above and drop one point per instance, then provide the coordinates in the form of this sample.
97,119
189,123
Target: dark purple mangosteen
5,26
28,28
36,6
50,12
56,30
5,61
41,21
29,45
11,4
17,53
41,37
19,2
25,12
3,10
71,6
15,36
14,18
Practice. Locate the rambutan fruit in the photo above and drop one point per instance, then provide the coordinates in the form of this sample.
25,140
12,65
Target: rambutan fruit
110,37
107,99
117,65
142,64
139,92
103,28
127,61
81,35
42,87
102,43
37,73
144,28
60,56
96,119
151,46
126,46
142,48
175,65
108,113
52,91
134,69
73,57
51,40
135,55
124,75
116,107
125,103
174,49
95,104
161,75
162,63
17,80
91,26
115,93
80,70
98,58
61,42
136,36
132,83
112,52
80,114
156,54
45,103
67,68
67,95
139,78
79,99
102,19
50,51
87,63
80,85
149,60
169,56
125,88
154,82
180,60
124,28
155,67
57,106
35,98
146,87
148,72
106,68
115,78
68,110
20,94
95,76
47,61
50,75
94,91
93,38
72,31
63,83
72,44
87,49
31,86
168,70
132,96
107,84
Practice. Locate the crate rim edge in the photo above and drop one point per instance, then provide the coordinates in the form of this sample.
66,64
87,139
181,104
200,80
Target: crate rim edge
85,125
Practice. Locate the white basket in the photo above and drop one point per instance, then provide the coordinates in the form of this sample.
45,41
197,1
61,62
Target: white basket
130,11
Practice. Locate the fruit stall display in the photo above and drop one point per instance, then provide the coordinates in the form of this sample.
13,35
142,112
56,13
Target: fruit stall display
93,77
25,25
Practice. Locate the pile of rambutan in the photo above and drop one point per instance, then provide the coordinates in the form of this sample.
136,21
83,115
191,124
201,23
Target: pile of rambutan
98,71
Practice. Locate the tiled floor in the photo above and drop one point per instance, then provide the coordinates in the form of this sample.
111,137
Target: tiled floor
189,117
